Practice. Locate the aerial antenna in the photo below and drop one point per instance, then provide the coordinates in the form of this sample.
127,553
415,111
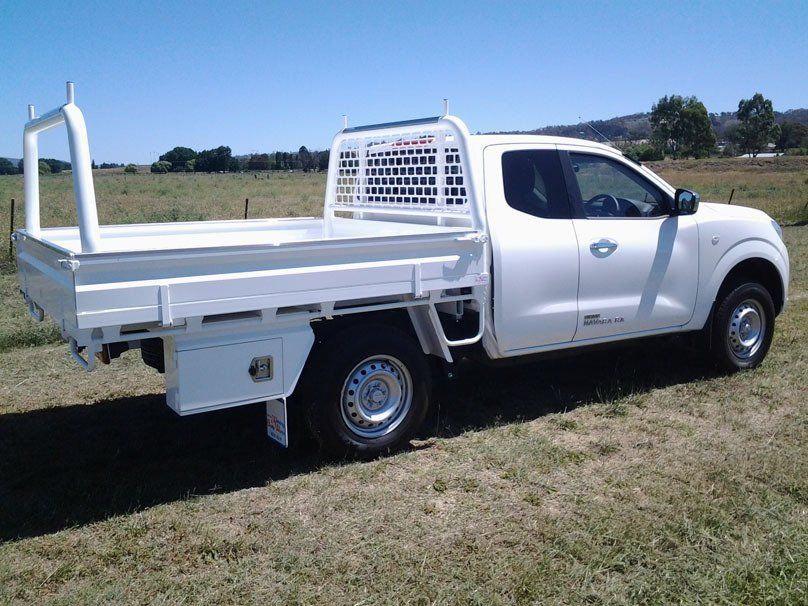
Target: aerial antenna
605,138
344,121
445,106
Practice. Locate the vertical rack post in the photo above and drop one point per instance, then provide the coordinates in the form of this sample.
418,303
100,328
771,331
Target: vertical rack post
11,231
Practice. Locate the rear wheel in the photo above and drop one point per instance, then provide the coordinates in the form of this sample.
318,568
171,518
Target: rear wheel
369,391
743,327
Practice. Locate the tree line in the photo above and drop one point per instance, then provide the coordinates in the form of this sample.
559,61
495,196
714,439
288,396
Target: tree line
682,128
185,159
46,166
221,159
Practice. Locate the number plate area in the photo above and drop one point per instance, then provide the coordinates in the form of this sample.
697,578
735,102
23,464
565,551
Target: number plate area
277,430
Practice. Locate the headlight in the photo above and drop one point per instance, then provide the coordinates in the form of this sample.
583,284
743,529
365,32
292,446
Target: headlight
777,228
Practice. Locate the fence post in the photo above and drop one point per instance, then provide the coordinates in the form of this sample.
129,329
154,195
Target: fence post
246,207
11,231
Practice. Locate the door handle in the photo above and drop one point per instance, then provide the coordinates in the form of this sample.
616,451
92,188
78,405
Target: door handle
603,244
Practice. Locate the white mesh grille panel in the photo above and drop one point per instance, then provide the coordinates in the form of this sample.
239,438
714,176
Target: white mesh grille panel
420,170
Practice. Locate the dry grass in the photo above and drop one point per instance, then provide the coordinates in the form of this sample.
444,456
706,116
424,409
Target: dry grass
778,186
633,476
147,197
17,329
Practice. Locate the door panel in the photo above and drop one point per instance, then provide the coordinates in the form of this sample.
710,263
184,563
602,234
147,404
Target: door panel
638,264
535,277
645,281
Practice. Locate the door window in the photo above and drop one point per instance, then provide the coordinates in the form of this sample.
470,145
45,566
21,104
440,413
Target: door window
533,180
610,189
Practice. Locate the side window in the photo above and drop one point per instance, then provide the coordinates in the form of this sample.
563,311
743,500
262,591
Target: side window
533,180
609,189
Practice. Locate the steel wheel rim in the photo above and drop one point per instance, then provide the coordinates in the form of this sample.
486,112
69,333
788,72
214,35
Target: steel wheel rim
376,396
746,329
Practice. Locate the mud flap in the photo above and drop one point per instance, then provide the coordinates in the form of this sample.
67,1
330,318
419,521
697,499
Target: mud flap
276,422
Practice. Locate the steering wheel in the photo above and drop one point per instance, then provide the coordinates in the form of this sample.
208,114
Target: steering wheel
609,206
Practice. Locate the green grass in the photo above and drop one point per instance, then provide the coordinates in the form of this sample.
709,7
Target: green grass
634,476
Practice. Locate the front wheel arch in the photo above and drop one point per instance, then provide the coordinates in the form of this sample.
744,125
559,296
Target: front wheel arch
755,269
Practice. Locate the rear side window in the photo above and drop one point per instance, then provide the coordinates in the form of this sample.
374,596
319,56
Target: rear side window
534,183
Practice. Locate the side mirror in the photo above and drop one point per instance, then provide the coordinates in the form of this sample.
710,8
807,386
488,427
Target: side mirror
685,202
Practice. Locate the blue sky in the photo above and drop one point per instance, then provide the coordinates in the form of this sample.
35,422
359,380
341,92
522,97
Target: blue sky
263,76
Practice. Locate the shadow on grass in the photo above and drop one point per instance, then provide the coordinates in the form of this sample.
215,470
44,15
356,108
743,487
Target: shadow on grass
74,465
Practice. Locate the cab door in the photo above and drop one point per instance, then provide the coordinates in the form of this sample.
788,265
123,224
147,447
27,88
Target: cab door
535,252
638,263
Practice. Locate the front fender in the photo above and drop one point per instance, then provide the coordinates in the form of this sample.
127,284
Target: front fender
713,277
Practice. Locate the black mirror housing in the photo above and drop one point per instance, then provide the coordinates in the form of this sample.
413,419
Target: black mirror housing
685,202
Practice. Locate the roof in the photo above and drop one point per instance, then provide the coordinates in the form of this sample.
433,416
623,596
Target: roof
484,140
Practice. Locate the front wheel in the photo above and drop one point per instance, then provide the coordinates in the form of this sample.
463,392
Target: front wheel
743,327
372,391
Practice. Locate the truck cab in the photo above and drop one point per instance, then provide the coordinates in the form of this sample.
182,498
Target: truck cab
590,247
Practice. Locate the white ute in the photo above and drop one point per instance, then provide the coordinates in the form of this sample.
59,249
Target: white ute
433,243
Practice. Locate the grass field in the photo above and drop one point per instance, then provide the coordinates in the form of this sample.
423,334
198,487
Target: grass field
637,476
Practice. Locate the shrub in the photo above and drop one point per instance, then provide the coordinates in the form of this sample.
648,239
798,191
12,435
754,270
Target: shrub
44,168
161,167
178,157
130,168
56,166
643,152
7,167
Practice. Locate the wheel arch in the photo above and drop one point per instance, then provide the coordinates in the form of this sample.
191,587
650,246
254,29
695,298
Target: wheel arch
760,270
413,321
397,318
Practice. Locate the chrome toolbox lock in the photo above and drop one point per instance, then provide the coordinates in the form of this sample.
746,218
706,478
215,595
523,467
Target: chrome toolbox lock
261,368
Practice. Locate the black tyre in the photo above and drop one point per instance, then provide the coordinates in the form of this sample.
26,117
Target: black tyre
743,327
368,391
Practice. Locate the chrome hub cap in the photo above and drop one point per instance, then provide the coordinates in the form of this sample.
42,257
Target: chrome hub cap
746,329
376,396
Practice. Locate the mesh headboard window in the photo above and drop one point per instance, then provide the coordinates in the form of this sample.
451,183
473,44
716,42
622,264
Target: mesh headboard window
415,170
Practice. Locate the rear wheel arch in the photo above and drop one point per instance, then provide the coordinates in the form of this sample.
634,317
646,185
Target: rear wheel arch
325,330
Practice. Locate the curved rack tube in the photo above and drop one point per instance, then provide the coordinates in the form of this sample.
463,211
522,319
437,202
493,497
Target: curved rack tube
81,163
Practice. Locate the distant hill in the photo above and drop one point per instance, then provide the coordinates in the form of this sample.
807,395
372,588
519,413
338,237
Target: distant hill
638,126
